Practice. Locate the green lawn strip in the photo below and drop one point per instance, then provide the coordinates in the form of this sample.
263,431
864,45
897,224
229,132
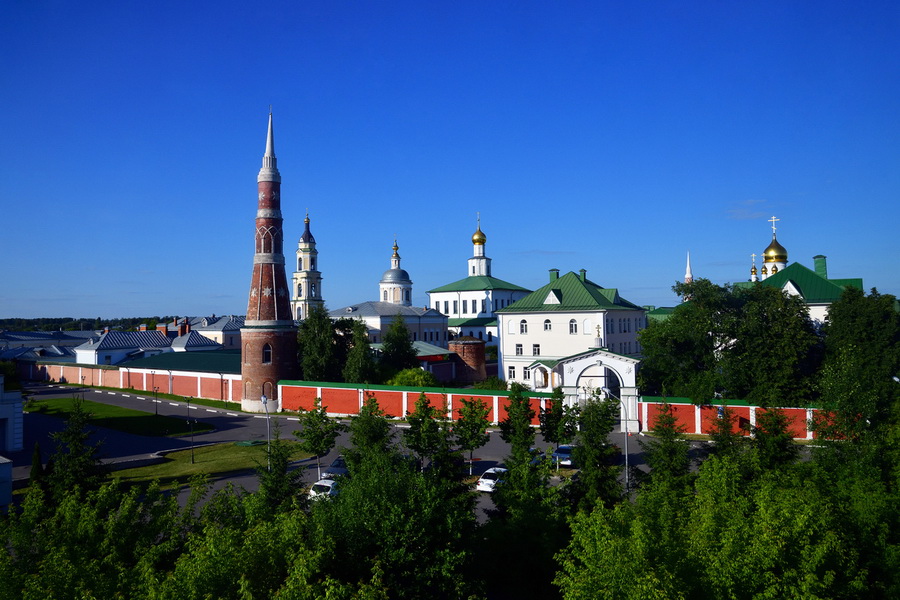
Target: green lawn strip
214,460
236,406
121,419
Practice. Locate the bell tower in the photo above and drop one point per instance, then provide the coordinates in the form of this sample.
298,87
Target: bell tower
307,279
268,338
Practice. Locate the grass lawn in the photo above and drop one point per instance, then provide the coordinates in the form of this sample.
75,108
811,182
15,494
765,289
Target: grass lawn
216,459
121,419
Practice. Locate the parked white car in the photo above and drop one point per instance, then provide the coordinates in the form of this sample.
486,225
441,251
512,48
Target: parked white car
323,488
490,479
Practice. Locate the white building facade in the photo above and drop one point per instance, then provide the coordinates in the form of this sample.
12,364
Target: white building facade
566,318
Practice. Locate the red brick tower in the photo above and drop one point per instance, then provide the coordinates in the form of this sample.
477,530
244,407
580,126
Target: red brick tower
269,337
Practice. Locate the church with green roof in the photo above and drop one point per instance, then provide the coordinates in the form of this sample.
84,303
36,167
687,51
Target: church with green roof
812,285
470,304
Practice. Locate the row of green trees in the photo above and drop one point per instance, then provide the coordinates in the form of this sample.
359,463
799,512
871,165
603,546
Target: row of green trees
339,351
72,324
749,520
759,344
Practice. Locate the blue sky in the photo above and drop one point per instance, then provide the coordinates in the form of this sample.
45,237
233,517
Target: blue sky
609,136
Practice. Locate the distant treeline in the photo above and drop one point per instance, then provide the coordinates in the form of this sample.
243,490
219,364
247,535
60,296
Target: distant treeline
70,324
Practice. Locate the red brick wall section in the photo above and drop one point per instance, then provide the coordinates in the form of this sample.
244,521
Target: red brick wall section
710,416
340,400
213,387
684,416
457,404
392,402
796,420
298,398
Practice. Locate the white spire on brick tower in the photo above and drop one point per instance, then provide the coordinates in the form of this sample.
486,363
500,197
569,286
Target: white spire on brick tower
268,338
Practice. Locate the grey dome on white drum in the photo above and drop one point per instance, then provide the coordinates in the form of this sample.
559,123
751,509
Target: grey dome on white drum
395,285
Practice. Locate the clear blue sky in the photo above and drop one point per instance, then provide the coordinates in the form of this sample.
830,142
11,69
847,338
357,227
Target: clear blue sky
609,136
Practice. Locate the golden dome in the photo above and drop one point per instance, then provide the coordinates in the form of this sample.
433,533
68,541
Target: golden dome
478,237
775,252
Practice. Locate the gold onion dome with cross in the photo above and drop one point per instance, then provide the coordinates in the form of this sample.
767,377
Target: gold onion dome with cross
775,252
478,237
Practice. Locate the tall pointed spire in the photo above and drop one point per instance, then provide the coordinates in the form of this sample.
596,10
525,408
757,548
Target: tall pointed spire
269,170
688,276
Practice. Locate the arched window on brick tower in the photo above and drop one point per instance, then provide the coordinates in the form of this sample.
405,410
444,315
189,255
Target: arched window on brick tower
267,354
268,389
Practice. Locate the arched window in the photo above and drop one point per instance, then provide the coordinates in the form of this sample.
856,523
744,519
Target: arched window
573,326
490,336
267,354
407,296
547,325
385,295
523,326
313,291
299,263
299,290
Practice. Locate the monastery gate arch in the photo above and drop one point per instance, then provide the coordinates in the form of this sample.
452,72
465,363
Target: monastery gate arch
583,374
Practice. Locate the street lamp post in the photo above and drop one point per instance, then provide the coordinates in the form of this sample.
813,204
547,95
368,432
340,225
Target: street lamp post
608,392
155,402
82,387
265,403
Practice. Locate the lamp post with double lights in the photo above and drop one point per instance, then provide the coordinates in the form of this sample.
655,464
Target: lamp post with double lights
265,403
608,392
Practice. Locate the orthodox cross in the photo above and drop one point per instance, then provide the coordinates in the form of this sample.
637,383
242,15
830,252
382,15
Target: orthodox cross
773,220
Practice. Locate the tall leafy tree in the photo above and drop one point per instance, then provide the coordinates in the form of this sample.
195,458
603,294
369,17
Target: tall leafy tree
397,352
559,423
277,482
516,429
316,346
428,432
595,456
775,351
667,452
76,462
681,354
318,433
773,442
371,435
360,365
470,428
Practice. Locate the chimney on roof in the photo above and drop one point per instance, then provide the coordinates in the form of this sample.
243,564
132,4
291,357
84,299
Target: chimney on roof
554,275
582,274
182,327
821,267
162,328
142,327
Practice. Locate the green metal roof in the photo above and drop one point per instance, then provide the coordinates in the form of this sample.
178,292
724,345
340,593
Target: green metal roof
571,292
479,322
660,314
474,283
813,288
421,348
215,361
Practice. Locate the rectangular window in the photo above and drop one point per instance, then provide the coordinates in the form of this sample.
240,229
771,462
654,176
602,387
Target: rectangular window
484,306
535,349
526,374
519,350
511,373
446,307
465,306
437,306
455,307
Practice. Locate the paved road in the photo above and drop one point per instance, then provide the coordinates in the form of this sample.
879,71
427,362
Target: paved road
229,426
